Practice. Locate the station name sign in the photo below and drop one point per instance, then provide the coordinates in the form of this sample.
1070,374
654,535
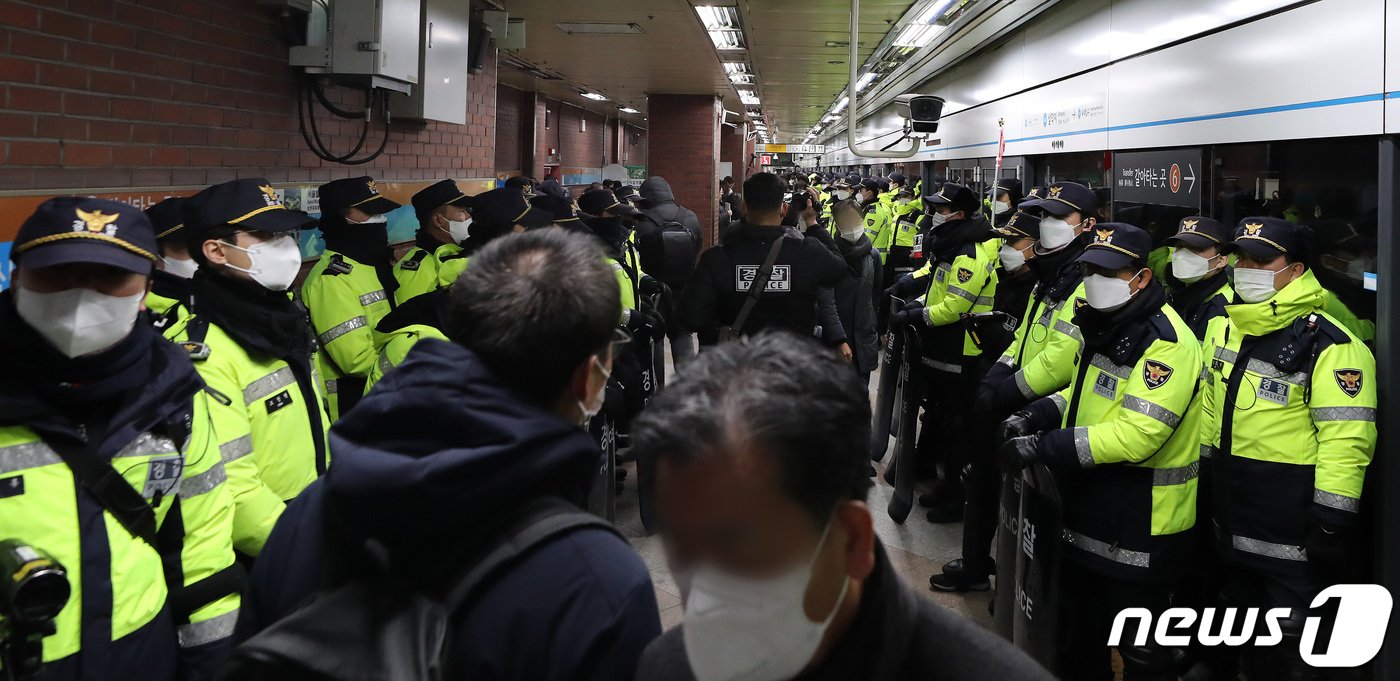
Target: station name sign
793,148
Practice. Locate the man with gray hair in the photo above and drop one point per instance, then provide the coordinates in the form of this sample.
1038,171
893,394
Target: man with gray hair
459,438
761,491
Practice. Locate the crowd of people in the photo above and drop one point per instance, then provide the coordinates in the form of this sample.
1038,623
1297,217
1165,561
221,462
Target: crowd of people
381,469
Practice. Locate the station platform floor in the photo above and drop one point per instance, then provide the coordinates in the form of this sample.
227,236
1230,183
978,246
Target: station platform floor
917,549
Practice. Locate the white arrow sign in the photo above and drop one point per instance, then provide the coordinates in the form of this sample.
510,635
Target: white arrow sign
1192,177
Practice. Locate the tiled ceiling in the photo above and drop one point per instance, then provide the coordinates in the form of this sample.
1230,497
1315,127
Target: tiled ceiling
672,54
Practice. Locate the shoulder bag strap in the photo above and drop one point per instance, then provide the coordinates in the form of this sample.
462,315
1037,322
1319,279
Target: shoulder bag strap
760,282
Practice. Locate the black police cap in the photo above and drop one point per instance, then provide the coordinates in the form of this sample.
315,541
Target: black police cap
167,217
627,193
898,177
249,204
955,196
1265,238
596,201
505,206
1116,246
1008,185
1199,231
354,192
70,229
1062,198
870,184
1021,225
561,208
439,194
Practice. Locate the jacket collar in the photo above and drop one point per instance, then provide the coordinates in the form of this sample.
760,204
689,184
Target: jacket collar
1301,296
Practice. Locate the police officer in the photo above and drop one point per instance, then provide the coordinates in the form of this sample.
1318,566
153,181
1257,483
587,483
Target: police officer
252,344
609,226
995,331
1198,284
1006,200
958,278
351,287
110,462
878,224
444,222
563,210
1121,440
719,288
1037,363
628,194
906,213
170,281
1291,398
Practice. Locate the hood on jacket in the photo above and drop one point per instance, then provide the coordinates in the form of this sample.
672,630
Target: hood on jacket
656,191
1301,296
440,444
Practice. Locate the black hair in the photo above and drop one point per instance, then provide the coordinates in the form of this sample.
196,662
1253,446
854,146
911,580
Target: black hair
225,233
777,393
764,192
533,307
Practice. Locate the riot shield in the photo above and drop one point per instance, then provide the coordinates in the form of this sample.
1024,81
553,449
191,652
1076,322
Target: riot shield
1004,600
1035,625
602,496
885,395
911,393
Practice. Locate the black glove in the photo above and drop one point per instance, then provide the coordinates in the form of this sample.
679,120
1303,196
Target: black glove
1016,425
1328,547
903,287
1019,452
984,399
912,313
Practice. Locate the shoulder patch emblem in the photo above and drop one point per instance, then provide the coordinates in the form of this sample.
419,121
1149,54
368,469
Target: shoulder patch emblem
1079,303
197,351
1349,380
1155,374
964,275
337,265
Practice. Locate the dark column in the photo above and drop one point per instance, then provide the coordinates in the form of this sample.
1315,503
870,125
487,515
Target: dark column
683,147
1387,536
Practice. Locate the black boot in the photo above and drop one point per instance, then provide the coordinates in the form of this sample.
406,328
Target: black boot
957,577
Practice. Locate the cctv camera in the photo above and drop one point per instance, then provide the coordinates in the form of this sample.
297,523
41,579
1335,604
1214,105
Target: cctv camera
922,111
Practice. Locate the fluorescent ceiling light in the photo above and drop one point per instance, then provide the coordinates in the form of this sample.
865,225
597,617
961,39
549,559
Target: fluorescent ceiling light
829,118
841,104
599,28
865,80
628,109
718,17
917,35
594,96
934,11
727,39
748,97
732,67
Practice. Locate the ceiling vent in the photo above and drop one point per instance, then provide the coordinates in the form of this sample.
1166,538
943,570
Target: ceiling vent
599,28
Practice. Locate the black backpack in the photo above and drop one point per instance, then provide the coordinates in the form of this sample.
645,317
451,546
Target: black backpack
378,626
669,252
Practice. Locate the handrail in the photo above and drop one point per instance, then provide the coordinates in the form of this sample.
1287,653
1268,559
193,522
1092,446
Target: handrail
851,143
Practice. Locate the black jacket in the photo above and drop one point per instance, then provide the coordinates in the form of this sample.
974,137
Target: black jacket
660,207
856,299
435,447
896,634
804,266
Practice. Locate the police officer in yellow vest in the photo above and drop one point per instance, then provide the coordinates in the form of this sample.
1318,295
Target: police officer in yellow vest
1291,409
611,230
1198,283
878,223
108,462
351,287
906,212
958,279
1121,438
253,345
170,282
443,224
1039,359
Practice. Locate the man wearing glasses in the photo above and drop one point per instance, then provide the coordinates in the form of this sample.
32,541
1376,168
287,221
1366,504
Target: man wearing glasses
252,344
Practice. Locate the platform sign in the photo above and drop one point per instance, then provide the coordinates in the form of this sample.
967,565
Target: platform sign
765,160
1166,178
794,148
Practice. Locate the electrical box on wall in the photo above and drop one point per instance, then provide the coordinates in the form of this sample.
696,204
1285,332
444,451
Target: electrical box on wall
445,59
376,41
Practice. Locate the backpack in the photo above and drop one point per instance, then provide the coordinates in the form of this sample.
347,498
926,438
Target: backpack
668,253
375,625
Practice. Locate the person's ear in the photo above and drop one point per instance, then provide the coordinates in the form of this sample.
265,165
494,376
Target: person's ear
854,520
1088,224
782,210
1144,278
578,381
214,252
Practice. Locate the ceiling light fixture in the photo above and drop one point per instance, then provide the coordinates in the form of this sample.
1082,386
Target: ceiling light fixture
748,97
722,23
594,96
628,109
917,35
865,80
841,105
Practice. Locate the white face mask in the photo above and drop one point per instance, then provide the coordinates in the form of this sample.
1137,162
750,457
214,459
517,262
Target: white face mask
373,220
1108,293
752,629
459,229
904,202
595,404
842,195
1012,259
183,269
1055,233
860,199
853,234
999,207
79,321
273,263
1254,285
1190,267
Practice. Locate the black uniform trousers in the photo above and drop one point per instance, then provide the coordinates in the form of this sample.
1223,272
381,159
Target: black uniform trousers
1090,602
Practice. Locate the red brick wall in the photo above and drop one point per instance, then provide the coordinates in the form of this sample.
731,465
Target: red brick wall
634,152
731,149
686,151
509,104
119,93
579,148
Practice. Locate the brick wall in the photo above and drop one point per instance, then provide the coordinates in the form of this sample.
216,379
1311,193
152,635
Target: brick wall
684,149
509,104
731,149
634,146
580,146
120,93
